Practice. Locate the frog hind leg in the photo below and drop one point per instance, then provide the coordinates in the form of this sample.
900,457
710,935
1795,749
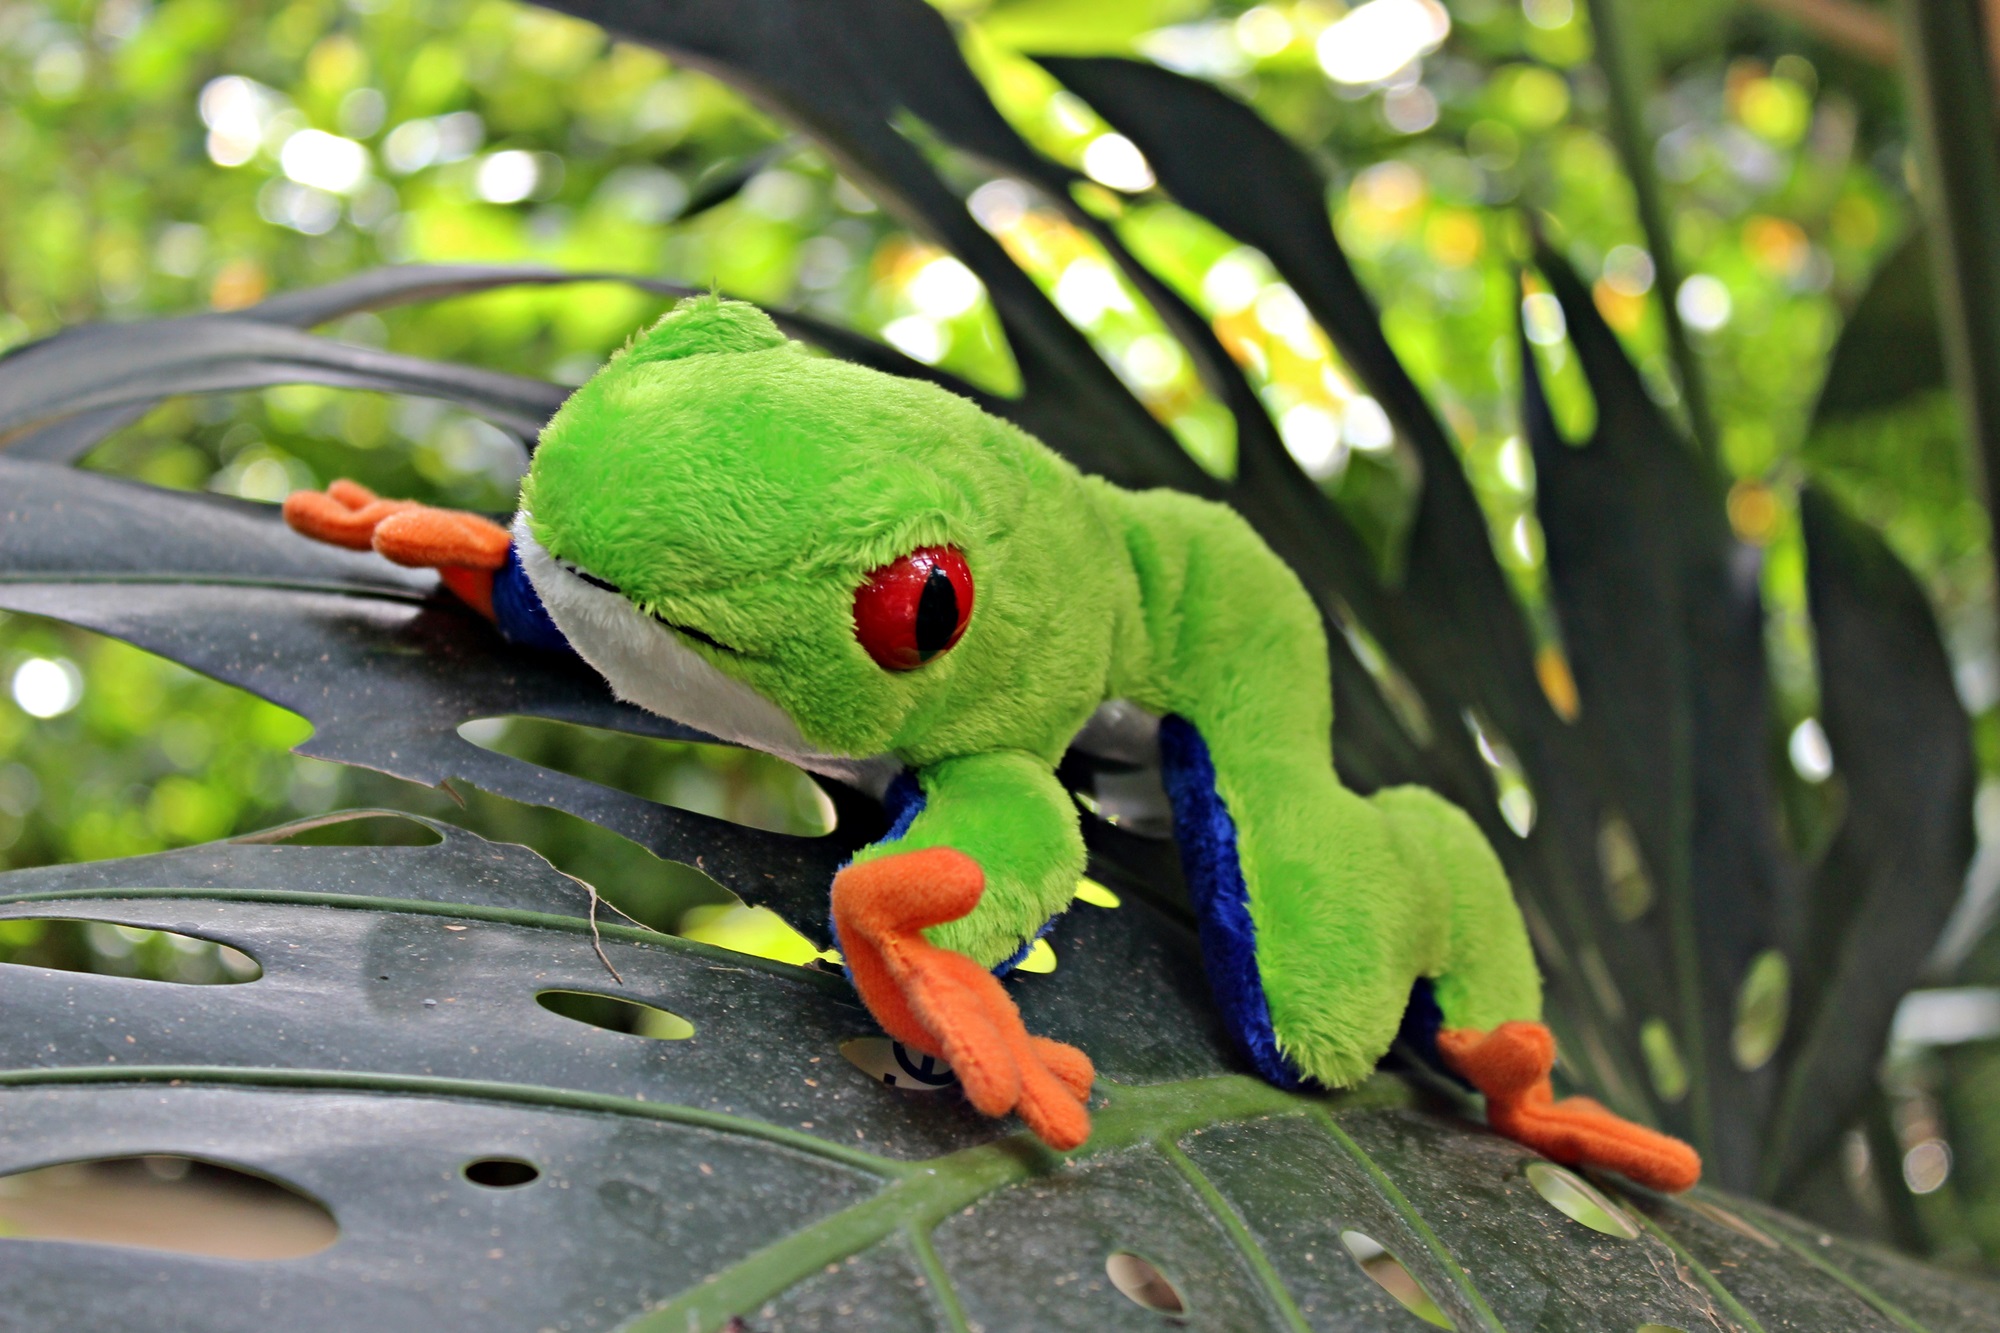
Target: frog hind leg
1307,960
1488,1005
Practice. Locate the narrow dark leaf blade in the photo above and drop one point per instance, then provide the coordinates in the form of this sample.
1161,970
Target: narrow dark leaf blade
1662,616
1949,85
62,524
127,364
1219,159
70,438
1889,349
851,73
1902,745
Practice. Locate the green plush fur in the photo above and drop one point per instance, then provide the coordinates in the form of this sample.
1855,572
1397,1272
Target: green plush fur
729,482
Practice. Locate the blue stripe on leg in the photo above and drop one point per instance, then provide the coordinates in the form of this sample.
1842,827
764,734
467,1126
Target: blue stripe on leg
1207,837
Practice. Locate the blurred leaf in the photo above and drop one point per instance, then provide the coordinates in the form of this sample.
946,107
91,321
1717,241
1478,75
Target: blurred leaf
722,181
852,74
1902,744
1889,349
115,366
1949,80
1061,25
57,375
1663,622
1627,60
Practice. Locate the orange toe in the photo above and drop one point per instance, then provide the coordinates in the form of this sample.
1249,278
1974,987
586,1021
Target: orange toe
1049,1109
1586,1134
1511,1066
943,1002
325,518
432,538
351,494
1068,1064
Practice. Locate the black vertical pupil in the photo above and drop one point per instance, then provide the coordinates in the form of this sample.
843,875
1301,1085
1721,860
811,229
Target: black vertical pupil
937,614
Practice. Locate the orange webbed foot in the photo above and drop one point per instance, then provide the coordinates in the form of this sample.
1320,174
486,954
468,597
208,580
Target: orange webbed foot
1511,1066
345,514
464,548
945,1004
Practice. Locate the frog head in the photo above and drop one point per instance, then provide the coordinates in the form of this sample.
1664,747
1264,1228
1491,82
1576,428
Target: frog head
808,556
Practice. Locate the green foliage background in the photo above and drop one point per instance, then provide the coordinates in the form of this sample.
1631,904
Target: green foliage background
130,192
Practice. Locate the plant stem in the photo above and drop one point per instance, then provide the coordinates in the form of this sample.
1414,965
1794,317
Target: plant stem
1950,91
1628,70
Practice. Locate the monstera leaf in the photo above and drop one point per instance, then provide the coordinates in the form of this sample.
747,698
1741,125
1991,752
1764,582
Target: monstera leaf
494,1163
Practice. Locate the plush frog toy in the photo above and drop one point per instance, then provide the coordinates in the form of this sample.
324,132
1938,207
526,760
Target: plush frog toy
868,575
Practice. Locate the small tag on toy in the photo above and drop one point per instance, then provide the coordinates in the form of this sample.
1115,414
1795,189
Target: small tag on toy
897,1065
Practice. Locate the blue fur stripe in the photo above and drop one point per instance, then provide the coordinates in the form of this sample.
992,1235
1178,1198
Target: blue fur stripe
519,612
1214,871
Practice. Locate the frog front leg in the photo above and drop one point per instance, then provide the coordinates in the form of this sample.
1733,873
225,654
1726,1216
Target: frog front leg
923,919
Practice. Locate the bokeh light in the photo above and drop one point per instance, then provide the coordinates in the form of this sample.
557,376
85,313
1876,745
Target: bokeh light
47,687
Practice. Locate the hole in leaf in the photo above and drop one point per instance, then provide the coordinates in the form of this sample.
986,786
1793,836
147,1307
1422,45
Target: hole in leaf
616,1015
752,930
1040,958
742,786
1090,891
351,828
109,949
1625,881
1129,798
502,1173
1664,1065
897,1065
1143,1284
1762,1004
1576,1199
163,1202
1392,1277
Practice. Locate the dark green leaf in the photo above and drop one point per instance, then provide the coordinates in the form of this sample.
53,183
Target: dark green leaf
1889,348
384,672
1902,745
80,357
851,74
394,1040
1948,72
1663,620
120,365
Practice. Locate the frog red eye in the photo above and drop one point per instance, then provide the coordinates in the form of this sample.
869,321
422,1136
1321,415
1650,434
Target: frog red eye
912,609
